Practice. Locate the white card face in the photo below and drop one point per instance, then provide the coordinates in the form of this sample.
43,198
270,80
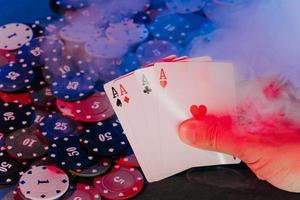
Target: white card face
175,96
122,95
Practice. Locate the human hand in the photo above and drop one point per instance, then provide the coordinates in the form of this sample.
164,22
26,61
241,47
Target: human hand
270,146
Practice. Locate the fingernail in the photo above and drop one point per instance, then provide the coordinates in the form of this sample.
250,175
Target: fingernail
188,132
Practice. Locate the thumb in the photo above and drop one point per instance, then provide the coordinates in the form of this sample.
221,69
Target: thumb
211,133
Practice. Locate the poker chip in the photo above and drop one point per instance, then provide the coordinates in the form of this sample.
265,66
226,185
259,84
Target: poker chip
17,195
171,27
141,18
120,183
127,31
79,194
15,116
129,63
183,6
44,182
22,98
91,109
65,5
8,196
100,168
91,190
128,160
24,144
37,29
43,97
105,48
6,57
14,36
55,126
10,170
104,138
154,50
79,33
39,51
42,161
73,88
68,153
39,116
14,77
58,67
2,141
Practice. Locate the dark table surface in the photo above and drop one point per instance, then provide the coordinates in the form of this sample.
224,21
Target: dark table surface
210,183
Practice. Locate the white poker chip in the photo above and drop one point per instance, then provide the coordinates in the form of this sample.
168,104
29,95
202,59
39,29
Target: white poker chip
127,31
14,36
80,33
44,182
105,48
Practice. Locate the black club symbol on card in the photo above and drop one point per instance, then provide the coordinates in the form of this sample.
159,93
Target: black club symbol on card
147,90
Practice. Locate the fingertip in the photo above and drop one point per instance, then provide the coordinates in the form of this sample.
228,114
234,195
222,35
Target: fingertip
188,130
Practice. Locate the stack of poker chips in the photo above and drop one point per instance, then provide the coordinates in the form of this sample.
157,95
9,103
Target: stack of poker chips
59,136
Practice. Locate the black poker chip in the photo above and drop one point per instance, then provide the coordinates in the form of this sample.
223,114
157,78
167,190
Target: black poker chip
104,138
43,97
65,5
101,167
14,116
68,153
10,169
55,126
24,144
2,141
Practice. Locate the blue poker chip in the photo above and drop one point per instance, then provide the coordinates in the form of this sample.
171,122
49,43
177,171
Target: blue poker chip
129,62
73,88
39,51
104,138
154,50
171,27
185,6
15,77
14,116
55,126
68,153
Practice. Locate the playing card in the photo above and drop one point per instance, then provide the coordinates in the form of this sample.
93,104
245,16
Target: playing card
122,93
181,85
147,95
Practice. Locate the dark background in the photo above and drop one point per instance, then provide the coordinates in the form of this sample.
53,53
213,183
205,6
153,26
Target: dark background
209,183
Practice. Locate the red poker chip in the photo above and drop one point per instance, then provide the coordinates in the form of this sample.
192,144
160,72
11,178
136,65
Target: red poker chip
80,194
128,161
6,57
22,98
91,109
120,183
95,194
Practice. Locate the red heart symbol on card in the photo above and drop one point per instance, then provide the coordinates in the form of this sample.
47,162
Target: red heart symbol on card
163,83
198,111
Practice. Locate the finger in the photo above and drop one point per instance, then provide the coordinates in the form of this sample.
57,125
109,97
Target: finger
211,133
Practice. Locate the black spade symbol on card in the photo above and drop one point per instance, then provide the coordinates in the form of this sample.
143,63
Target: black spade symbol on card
119,103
